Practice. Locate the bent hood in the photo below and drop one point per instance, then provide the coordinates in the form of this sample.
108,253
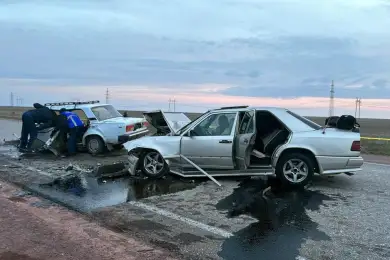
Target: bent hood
165,145
167,122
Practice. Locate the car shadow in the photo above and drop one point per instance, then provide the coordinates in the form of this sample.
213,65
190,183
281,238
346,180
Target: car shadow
282,226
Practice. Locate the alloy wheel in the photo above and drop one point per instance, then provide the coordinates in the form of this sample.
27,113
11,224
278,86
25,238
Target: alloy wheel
295,170
153,163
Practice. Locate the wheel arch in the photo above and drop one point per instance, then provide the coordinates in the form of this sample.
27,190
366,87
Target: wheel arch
300,150
89,135
139,151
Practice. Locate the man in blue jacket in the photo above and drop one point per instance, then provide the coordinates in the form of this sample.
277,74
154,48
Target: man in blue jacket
74,127
42,115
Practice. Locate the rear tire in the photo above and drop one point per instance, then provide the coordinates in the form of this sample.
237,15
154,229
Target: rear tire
95,145
295,169
153,165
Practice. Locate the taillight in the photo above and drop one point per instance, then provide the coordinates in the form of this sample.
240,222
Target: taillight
355,146
146,124
129,128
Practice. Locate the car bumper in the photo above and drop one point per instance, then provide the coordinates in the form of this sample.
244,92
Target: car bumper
334,165
128,137
133,163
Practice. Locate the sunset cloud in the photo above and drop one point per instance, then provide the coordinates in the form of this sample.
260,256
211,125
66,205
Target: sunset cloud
202,53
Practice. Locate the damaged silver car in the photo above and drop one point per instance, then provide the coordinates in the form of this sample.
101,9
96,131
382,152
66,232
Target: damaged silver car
244,141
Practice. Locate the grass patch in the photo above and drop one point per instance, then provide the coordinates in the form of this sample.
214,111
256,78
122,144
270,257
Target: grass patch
378,147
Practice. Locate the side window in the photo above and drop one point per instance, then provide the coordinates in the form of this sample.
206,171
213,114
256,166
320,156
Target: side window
247,124
82,116
216,125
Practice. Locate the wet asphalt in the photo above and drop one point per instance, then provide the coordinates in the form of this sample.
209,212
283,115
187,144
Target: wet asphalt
343,217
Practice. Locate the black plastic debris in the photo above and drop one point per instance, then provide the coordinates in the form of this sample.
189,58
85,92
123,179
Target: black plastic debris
73,183
111,170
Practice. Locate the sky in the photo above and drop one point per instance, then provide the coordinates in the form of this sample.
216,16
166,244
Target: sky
201,53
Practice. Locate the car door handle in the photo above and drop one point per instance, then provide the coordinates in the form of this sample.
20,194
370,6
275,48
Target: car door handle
245,141
225,142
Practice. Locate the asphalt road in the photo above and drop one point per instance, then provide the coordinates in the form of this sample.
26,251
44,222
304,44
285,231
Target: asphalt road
344,217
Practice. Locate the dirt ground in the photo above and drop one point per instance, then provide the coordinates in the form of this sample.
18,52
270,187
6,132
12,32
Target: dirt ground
33,229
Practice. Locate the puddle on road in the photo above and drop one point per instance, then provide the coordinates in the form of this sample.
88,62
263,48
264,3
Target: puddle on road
89,193
9,150
283,224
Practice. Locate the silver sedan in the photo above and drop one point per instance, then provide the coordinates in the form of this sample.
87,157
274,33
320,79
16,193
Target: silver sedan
244,141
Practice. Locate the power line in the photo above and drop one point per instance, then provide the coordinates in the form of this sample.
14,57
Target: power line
107,96
331,101
12,99
358,102
173,101
19,101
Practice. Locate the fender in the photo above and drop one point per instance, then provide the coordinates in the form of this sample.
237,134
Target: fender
93,131
167,146
282,148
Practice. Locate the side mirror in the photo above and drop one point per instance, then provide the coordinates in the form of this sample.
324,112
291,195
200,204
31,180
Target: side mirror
191,133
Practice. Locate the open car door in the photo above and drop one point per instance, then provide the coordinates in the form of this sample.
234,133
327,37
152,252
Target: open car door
166,122
245,139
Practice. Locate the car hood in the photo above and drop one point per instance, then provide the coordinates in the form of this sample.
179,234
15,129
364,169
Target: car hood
167,122
166,145
125,120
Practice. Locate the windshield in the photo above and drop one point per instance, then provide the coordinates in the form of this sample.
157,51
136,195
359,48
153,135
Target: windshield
105,112
184,128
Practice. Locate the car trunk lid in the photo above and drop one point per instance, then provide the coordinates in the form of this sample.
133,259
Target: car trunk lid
166,122
130,123
347,140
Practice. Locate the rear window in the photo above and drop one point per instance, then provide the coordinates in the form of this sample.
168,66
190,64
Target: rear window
305,120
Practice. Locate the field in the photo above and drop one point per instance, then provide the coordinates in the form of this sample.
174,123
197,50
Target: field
369,128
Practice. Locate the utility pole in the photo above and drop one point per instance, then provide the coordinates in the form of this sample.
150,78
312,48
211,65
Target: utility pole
173,101
331,101
359,101
356,106
12,99
107,96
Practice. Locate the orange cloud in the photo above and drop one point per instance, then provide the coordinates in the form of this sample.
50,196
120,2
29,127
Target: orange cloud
208,96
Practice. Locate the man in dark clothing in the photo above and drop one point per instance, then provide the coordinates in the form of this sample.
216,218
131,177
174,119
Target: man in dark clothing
40,114
69,122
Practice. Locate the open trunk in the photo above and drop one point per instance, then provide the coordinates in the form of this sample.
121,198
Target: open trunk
260,134
166,122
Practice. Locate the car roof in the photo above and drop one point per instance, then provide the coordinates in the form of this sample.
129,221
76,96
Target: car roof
84,106
77,106
283,114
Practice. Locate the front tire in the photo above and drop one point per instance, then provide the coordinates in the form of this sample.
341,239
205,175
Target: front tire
95,145
295,169
153,165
